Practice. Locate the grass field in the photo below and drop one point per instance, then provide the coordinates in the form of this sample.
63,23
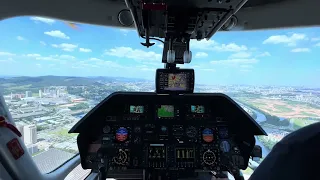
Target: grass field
248,171
300,122
64,133
283,108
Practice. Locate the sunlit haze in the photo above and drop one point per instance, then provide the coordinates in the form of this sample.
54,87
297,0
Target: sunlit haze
39,46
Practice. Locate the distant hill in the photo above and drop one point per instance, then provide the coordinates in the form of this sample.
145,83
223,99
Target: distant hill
22,83
42,81
118,79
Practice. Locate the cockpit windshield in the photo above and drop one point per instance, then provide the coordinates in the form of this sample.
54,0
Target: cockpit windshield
54,72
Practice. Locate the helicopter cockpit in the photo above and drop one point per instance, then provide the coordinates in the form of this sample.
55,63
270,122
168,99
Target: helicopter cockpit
172,133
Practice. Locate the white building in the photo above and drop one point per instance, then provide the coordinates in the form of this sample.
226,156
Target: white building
30,134
32,148
40,93
28,94
20,128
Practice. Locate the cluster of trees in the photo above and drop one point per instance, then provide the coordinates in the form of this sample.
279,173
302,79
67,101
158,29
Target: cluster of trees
274,120
40,128
267,142
79,106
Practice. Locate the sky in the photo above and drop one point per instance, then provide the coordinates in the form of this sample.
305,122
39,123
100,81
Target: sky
36,46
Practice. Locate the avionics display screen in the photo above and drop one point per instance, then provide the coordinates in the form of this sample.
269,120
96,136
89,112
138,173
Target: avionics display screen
197,109
177,80
136,109
165,111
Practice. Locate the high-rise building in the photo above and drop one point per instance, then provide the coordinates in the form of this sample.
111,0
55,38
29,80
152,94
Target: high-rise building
32,148
20,128
28,94
58,92
40,93
30,134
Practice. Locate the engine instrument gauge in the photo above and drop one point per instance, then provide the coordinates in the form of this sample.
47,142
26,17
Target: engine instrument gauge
223,133
106,129
191,132
137,129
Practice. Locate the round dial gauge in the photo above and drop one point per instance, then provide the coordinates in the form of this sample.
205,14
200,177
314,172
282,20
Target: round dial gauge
191,132
209,157
106,129
122,157
137,129
223,133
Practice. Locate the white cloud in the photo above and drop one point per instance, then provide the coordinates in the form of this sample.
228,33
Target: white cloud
300,50
33,55
60,58
208,69
43,43
315,39
126,30
245,70
39,65
231,47
235,61
264,54
284,39
201,55
63,56
47,58
8,60
57,34
318,44
137,54
97,63
6,54
44,20
85,50
160,45
95,59
203,45
65,46
246,66
213,45
240,55
145,68
20,38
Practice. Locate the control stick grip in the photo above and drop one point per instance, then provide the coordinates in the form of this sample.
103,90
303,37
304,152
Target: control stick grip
104,153
103,172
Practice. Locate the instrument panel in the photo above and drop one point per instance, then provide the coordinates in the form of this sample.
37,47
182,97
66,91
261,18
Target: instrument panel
165,134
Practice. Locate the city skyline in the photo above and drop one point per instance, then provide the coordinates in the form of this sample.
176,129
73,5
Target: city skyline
42,46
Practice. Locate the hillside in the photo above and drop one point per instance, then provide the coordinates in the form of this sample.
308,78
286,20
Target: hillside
23,83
